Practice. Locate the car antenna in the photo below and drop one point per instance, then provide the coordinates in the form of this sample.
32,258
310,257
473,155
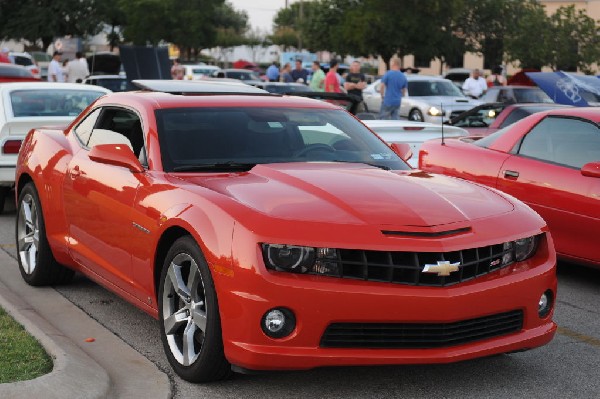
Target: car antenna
443,142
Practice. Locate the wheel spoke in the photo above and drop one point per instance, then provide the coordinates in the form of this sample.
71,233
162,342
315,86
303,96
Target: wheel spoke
199,317
193,280
189,352
177,281
27,214
31,252
175,321
25,242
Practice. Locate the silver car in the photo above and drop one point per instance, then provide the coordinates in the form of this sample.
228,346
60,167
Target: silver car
428,99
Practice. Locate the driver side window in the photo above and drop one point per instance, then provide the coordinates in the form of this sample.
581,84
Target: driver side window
566,141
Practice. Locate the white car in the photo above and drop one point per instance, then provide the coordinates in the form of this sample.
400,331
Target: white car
193,72
24,106
412,133
26,60
429,99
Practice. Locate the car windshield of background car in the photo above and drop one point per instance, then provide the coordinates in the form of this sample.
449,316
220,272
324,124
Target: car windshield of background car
14,71
532,96
243,75
195,137
44,102
433,88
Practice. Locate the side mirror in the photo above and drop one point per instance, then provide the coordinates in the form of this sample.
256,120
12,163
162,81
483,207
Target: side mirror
116,154
591,169
403,150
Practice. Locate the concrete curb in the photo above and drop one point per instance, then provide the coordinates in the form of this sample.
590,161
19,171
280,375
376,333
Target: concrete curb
105,368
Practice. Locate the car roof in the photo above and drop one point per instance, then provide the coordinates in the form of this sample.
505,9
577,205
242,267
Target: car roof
591,113
156,100
11,86
197,86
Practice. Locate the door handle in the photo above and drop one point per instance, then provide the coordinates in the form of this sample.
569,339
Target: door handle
511,174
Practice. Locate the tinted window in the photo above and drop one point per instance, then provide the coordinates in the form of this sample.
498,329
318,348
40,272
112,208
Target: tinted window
55,102
566,141
242,75
20,60
532,95
118,126
200,136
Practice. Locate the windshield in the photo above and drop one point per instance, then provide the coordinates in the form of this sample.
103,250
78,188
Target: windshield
242,75
533,95
426,88
57,102
192,137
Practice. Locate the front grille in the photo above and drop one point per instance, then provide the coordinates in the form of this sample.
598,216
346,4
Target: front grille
407,267
420,335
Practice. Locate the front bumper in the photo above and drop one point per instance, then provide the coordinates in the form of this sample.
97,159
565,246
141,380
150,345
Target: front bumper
7,175
251,290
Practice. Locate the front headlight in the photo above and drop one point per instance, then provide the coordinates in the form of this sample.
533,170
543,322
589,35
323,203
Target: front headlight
519,250
434,111
297,259
525,248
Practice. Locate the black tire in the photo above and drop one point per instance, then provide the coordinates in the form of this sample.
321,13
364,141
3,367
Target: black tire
36,261
416,115
198,306
3,195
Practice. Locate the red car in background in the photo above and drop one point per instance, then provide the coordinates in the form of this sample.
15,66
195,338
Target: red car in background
268,232
549,160
15,73
488,118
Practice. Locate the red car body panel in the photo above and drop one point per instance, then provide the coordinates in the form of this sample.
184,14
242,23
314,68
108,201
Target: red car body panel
565,198
108,223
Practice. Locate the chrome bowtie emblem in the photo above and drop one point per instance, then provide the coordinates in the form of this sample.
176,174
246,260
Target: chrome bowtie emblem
443,268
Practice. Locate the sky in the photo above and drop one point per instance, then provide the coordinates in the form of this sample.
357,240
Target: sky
260,12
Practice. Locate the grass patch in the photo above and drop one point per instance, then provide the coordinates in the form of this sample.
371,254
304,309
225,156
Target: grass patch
21,355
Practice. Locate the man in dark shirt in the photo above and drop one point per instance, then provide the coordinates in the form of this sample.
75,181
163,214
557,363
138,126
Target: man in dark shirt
355,81
299,73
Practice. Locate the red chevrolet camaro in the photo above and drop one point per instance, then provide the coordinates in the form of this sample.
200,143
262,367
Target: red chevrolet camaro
549,160
269,232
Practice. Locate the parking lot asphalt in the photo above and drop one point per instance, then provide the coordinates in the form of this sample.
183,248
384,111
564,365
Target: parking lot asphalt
89,360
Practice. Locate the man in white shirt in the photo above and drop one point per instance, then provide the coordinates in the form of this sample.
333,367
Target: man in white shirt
77,70
475,85
55,72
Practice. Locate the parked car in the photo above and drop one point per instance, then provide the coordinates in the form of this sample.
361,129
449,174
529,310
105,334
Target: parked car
199,71
411,133
270,232
15,73
27,61
515,94
549,160
42,59
111,82
24,106
488,118
246,76
428,99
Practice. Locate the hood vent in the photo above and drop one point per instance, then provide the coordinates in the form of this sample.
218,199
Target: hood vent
426,234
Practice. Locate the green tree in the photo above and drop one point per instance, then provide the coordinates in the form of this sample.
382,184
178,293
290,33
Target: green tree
42,20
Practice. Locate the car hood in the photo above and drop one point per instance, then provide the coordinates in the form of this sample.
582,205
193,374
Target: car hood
454,102
354,194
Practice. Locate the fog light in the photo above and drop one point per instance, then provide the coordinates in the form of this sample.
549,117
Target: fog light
278,322
545,303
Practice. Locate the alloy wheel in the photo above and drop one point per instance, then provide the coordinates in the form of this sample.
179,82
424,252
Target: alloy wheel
28,234
184,309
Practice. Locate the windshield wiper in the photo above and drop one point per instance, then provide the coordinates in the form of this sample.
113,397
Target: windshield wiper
221,166
366,163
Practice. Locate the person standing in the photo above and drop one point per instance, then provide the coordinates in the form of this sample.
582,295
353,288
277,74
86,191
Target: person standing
475,85
355,81
177,70
5,56
496,78
76,69
392,88
285,75
317,82
332,83
299,74
273,72
55,71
